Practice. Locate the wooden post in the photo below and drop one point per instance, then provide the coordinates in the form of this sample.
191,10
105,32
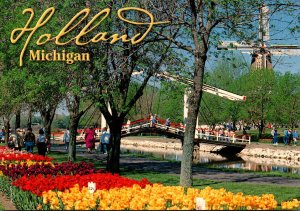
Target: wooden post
249,139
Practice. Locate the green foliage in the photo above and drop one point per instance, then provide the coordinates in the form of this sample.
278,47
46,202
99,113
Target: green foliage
285,100
226,75
61,122
170,103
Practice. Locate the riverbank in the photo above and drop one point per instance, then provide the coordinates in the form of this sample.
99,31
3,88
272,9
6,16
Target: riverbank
254,150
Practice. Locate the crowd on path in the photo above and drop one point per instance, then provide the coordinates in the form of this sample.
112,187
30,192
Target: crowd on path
289,136
19,138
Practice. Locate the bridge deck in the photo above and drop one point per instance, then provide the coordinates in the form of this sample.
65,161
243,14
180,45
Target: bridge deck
231,145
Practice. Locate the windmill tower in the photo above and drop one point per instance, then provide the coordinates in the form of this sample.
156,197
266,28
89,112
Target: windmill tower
263,52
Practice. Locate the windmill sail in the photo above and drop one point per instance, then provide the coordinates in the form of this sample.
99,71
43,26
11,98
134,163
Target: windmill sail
264,25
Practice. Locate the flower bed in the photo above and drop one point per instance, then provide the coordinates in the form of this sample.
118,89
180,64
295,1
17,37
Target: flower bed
35,182
156,197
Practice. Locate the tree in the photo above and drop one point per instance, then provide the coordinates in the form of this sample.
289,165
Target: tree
258,87
285,100
11,96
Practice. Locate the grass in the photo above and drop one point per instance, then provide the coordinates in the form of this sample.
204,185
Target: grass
1,207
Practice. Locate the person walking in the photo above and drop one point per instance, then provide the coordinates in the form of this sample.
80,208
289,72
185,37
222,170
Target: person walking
168,123
105,140
90,139
66,139
29,140
275,137
290,140
41,143
153,120
272,131
295,137
285,136
20,135
128,126
2,135
151,117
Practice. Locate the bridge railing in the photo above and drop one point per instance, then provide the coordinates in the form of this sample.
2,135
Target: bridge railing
230,139
171,129
134,126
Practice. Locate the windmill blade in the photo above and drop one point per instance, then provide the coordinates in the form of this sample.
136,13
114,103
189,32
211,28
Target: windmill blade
264,25
285,50
234,45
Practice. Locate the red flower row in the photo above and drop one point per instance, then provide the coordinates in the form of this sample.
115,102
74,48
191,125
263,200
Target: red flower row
7,154
38,184
24,157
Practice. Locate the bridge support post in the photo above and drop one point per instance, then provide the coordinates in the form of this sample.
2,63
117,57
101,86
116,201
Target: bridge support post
233,139
103,120
249,139
217,136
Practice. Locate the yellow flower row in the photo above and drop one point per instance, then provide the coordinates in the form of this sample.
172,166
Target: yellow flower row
22,163
156,197
289,205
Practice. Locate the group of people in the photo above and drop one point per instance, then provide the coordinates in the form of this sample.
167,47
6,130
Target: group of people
289,136
90,139
224,134
19,139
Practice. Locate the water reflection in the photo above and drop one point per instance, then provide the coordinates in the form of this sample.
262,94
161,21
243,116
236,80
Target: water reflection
243,162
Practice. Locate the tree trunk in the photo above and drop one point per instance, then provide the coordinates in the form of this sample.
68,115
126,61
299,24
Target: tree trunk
74,122
194,99
188,144
113,159
29,121
18,119
47,117
261,127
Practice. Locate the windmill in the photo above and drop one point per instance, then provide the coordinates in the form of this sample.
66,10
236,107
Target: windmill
262,52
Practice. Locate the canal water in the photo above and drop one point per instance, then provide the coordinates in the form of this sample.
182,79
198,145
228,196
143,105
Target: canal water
217,160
